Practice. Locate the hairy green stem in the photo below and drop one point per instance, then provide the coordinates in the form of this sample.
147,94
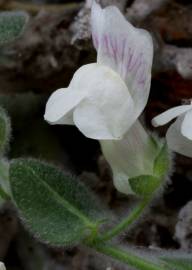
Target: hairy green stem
4,170
127,257
4,180
136,212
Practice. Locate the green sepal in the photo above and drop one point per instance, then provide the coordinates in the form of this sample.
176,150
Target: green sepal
177,263
162,162
5,131
12,25
144,185
55,206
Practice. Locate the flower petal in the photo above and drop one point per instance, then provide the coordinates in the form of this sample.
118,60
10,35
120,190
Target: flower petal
176,141
91,122
125,49
2,266
130,157
97,99
107,111
169,115
186,127
60,105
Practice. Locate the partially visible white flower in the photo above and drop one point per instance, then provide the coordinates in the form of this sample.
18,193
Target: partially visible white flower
104,99
130,157
179,134
2,266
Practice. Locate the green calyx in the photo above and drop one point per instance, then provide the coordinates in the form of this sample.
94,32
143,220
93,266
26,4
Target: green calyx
146,185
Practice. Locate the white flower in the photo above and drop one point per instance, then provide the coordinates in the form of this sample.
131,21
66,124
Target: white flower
130,157
104,99
2,266
179,134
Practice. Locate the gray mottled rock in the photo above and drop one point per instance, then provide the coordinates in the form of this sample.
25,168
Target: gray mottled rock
183,230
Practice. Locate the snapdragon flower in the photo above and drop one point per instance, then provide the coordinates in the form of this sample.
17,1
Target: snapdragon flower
105,98
179,134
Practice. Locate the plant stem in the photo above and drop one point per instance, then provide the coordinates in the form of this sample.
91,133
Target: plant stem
137,211
4,180
127,257
4,170
35,8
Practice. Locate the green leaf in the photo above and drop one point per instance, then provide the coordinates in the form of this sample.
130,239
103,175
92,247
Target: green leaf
177,263
5,131
144,185
161,163
12,25
55,206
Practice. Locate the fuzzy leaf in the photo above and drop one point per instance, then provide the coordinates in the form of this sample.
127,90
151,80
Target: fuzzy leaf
177,263
5,130
12,24
54,205
144,185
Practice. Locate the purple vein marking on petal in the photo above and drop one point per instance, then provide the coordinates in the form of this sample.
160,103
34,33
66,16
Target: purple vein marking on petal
106,44
123,49
114,48
95,40
118,49
135,64
129,58
131,61
142,76
123,70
